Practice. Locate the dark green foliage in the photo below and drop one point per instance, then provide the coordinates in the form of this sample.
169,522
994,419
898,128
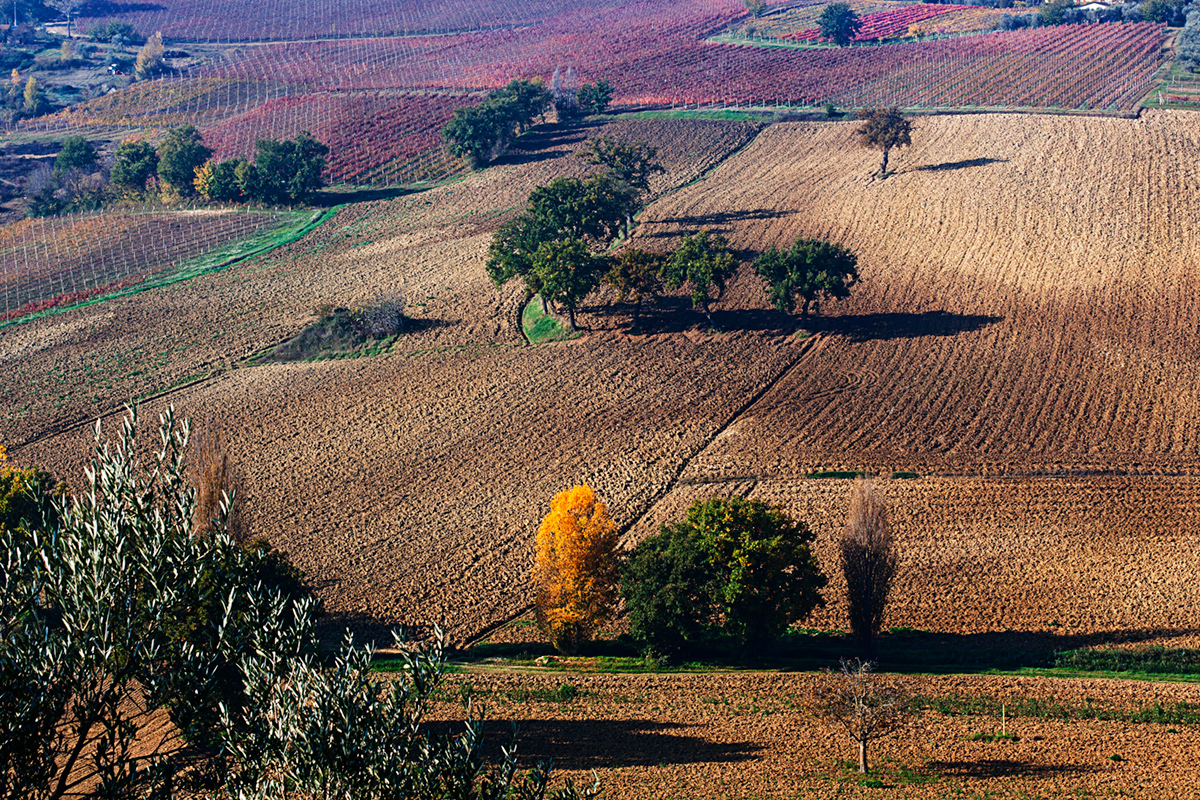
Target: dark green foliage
286,172
1054,13
135,161
180,153
631,163
883,129
738,564
835,473
590,211
77,153
809,270
480,133
593,98
27,497
1153,660
565,272
702,261
116,31
218,180
839,23
636,275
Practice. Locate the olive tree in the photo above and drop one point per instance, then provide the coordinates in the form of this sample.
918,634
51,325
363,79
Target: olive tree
702,262
807,271
115,603
883,129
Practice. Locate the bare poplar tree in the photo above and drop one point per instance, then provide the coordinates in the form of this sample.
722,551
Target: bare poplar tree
869,561
866,706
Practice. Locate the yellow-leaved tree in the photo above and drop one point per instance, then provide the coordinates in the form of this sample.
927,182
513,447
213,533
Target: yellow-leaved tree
577,568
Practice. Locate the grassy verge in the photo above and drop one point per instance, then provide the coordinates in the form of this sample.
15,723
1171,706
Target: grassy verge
295,225
541,328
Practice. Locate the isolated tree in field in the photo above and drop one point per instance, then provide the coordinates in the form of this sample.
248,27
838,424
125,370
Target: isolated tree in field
865,705
134,163
869,561
807,271
702,261
150,58
181,152
636,275
565,273
741,564
76,153
577,568
839,23
883,129
67,8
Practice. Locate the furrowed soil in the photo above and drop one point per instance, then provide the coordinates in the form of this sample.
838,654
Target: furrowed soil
739,735
1025,337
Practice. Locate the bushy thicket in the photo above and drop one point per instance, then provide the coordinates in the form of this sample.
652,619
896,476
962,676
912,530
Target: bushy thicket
116,603
480,133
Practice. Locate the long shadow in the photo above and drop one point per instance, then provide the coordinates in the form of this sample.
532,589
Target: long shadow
329,198
867,327
594,743
1004,768
676,315
949,165
717,223
931,651
523,156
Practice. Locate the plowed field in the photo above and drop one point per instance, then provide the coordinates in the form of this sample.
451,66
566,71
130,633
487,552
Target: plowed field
1028,311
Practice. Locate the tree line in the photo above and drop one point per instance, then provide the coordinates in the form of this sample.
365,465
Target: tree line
480,133
180,167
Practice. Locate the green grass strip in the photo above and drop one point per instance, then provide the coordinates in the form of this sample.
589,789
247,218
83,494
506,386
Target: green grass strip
299,225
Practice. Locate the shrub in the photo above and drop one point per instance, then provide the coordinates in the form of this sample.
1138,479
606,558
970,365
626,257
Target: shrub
134,164
180,153
76,153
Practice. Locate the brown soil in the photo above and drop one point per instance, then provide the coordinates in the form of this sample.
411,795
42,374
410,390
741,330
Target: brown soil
739,735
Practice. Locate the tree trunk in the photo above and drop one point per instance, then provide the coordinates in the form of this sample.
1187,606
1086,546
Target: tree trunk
704,308
862,756
545,308
883,169
804,310
571,316
637,308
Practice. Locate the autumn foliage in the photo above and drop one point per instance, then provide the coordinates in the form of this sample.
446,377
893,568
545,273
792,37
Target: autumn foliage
577,568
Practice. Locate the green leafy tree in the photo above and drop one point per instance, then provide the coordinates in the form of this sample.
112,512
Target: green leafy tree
593,98
756,7
739,564
150,58
839,23
288,171
882,129
807,271
181,152
134,163
1054,13
76,153
631,164
217,182
590,211
480,133
636,275
565,272
702,262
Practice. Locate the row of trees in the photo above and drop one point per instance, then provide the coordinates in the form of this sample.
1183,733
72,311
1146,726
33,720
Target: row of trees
482,132
732,569
180,167
127,595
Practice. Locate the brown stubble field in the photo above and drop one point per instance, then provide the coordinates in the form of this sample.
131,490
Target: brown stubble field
1000,334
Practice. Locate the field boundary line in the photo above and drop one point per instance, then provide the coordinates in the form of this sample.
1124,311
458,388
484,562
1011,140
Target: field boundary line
803,349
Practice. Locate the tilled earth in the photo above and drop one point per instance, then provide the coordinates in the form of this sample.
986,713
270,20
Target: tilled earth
747,735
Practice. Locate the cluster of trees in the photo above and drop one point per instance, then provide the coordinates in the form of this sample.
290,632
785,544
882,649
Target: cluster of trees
127,596
482,132
557,247
180,167
732,571
24,97
1188,42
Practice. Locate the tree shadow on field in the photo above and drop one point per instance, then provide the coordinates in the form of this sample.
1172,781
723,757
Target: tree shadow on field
719,222
335,196
676,315
595,743
1004,768
868,327
967,164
